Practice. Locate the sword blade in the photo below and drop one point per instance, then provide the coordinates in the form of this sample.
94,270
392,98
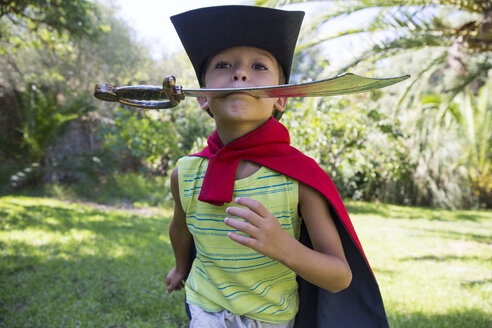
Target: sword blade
347,83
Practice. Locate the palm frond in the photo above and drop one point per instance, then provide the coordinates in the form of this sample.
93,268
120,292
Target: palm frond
477,6
388,48
276,3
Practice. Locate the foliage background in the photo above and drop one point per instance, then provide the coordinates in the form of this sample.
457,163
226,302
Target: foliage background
424,142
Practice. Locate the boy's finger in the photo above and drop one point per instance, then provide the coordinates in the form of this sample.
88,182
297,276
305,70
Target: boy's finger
169,289
243,240
168,280
245,214
253,205
172,286
242,226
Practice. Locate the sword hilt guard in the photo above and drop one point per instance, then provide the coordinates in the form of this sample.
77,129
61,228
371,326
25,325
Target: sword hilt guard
142,96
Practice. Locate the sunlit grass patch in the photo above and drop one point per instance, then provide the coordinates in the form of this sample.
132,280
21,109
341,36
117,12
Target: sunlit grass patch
434,267
67,264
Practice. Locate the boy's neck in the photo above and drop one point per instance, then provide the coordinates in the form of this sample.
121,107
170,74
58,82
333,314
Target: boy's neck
228,132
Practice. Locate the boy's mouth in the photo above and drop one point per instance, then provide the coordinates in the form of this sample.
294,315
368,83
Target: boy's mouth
241,93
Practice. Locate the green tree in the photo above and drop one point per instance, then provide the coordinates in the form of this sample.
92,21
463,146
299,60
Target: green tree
447,48
51,62
77,18
476,123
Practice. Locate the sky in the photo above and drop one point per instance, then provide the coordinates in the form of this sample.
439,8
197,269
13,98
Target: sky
150,19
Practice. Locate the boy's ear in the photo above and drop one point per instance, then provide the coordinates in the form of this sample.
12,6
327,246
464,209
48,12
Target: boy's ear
203,103
280,104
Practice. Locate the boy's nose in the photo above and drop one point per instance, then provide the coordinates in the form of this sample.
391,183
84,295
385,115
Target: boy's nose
240,75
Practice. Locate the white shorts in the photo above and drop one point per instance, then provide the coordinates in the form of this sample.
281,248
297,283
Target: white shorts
225,319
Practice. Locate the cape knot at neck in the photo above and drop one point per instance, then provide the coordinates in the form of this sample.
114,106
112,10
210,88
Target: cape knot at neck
266,141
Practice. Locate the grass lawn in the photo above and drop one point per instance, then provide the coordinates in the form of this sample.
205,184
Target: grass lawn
73,265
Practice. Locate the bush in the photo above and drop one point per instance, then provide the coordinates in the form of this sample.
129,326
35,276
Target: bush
358,146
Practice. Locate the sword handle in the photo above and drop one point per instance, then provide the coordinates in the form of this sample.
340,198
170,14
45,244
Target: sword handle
142,96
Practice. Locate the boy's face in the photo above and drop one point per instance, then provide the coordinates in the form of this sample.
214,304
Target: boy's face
241,67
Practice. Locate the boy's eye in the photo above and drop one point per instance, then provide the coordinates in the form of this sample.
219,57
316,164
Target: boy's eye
222,65
260,66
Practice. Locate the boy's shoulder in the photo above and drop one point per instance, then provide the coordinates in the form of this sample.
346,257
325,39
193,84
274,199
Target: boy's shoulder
192,165
191,160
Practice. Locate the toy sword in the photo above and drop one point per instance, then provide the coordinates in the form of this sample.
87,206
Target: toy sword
169,95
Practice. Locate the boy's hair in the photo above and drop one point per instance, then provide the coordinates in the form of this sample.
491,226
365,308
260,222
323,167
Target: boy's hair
206,31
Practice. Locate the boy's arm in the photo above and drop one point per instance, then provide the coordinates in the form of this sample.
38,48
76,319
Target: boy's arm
324,266
181,240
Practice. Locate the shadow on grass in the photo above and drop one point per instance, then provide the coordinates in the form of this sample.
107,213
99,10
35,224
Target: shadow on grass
366,208
476,216
379,271
446,258
474,283
415,213
472,318
454,235
71,265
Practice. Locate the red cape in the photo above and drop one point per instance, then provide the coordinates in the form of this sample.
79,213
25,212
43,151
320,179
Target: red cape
269,145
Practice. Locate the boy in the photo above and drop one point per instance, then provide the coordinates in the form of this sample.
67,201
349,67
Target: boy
248,252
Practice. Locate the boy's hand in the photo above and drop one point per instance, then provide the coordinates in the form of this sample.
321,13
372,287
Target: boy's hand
174,281
266,235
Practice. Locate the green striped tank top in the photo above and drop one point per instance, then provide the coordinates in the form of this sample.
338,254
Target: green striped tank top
228,275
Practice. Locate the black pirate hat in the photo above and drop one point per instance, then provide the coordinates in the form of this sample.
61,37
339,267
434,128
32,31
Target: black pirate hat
206,31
